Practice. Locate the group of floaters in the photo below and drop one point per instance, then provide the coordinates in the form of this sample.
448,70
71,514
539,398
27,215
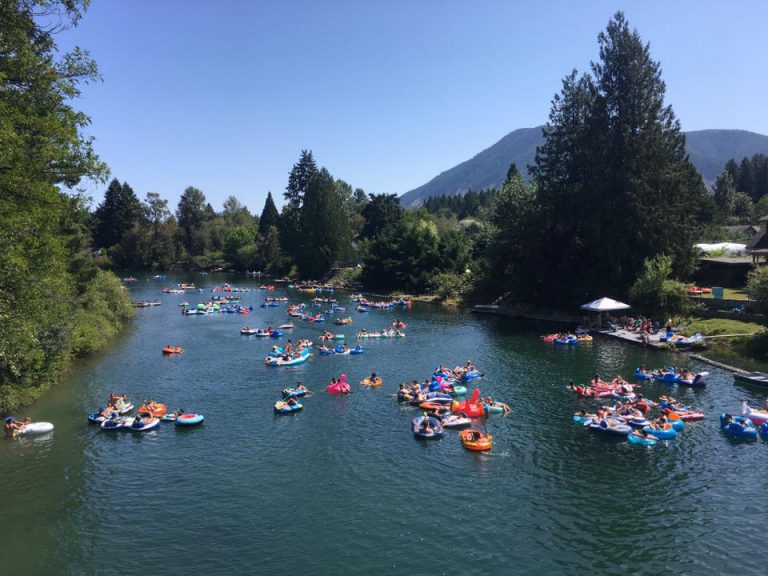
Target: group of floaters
290,402
288,354
341,350
672,375
567,338
441,398
634,419
114,416
385,333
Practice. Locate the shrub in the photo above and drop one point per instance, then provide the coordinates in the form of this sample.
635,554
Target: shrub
654,291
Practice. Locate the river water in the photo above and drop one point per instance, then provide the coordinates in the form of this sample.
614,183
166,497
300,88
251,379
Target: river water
343,487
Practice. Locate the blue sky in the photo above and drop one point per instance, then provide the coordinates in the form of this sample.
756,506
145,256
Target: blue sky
225,95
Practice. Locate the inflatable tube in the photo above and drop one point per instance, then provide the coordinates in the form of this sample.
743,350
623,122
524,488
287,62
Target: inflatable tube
324,351
35,428
667,433
641,440
94,418
293,393
757,416
138,425
276,334
475,440
698,380
123,407
340,387
764,430
285,408
455,421
493,409
357,350
112,424
740,427
470,407
618,427
189,420
639,375
458,390
158,411
432,422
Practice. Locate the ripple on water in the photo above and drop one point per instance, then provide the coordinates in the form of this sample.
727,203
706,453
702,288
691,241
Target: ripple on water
343,486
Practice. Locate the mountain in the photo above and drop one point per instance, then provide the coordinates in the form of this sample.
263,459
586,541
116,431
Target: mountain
709,151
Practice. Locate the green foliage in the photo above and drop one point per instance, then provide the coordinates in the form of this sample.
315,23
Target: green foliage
104,307
757,290
269,216
119,213
654,292
325,223
614,184
45,264
448,285
381,212
462,206
404,257
724,192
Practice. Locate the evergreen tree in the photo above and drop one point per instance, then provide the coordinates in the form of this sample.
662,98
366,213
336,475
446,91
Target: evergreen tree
382,211
746,181
724,192
269,216
299,178
156,211
326,226
191,212
120,211
615,184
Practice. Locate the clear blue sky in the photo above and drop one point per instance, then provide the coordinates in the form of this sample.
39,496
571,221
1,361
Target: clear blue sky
224,95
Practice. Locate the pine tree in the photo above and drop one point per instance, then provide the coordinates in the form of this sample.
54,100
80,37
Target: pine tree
298,180
615,184
269,216
119,212
724,192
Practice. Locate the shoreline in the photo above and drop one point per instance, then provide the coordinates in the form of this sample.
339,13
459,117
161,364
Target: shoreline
622,336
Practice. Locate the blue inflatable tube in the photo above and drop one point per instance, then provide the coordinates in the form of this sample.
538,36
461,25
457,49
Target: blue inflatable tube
288,409
641,440
740,427
189,420
276,334
357,350
434,424
667,434
324,352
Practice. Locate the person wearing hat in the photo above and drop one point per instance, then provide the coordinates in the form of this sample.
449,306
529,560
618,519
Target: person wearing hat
11,427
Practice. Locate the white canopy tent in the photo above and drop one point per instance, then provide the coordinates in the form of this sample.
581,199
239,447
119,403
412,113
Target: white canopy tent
605,305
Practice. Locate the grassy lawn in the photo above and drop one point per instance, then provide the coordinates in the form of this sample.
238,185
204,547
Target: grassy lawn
728,294
718,326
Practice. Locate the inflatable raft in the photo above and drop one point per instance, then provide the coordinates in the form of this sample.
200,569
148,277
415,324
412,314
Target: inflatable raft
35,428
420,424
282,407
475,440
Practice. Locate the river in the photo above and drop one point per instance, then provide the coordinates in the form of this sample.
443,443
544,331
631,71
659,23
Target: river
343,487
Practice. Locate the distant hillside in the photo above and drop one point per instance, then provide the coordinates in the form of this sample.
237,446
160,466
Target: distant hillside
709,151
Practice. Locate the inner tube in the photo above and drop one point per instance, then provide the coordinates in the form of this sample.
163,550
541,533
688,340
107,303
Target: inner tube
285,408
665,434
35,428
418,428
641,440
138,425
189,419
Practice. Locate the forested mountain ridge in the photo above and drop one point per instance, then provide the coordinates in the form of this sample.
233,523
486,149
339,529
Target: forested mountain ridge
709,151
